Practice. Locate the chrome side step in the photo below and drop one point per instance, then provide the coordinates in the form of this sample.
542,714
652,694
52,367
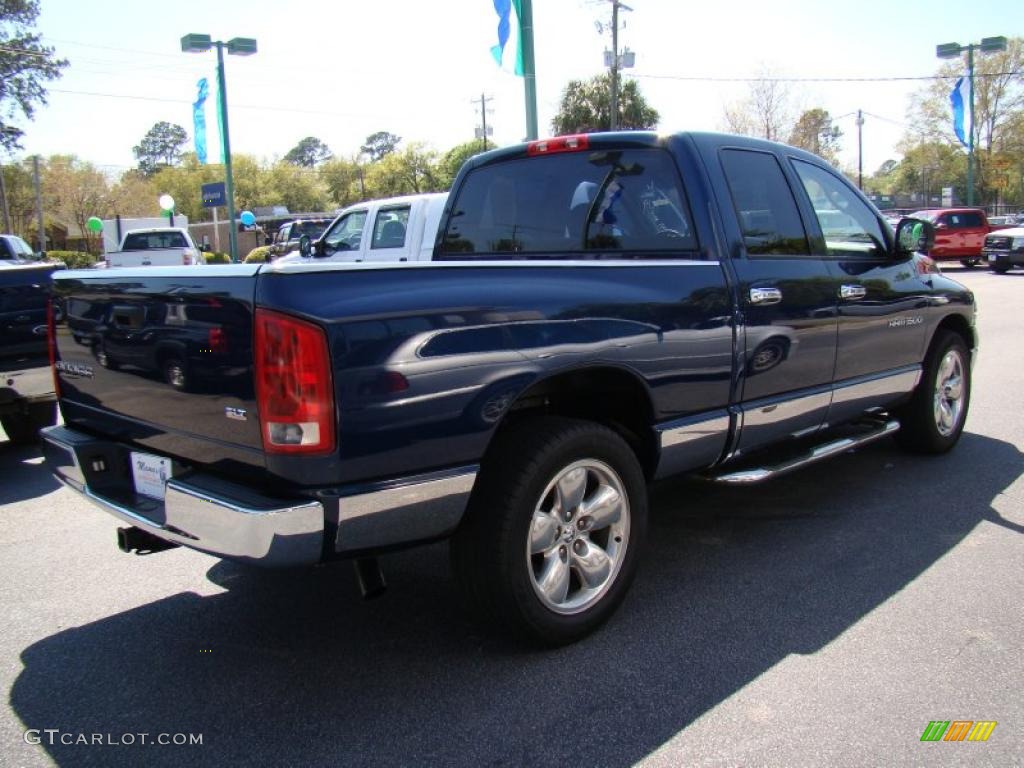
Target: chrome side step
824,451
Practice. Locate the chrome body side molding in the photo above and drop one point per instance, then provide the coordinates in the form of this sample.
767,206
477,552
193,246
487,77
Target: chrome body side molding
691,443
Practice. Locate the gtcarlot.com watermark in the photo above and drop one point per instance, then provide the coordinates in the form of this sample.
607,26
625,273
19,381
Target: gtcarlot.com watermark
55,736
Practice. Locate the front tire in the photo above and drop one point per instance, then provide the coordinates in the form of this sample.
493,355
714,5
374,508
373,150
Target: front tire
550,542
933,420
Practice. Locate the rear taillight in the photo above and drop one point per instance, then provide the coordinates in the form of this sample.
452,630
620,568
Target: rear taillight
51,342
574,143
294,388
217,341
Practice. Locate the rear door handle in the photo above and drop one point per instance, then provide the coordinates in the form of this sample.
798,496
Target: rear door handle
852,292
765,296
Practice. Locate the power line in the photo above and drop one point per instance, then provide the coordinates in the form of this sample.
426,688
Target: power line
706,79
260,107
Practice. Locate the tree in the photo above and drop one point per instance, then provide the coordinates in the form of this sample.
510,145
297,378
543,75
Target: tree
184,182
586,107
927,167
74,190
342,178
765,112
379,145
163,145
998,103
298,189
25,65
453,160
309,153
134,195
21,199
815,132
411,171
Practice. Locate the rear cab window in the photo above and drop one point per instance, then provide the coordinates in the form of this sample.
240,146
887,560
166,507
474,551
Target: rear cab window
765,207
144,241
608,203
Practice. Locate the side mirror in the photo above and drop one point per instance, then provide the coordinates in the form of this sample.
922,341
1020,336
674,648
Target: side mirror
305,246
914,235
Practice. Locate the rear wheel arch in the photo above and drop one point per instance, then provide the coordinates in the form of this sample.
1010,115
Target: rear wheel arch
614,397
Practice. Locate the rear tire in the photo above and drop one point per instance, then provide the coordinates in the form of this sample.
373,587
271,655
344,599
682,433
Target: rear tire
970,263
933,420
551,539
1001,269
176,374
23,428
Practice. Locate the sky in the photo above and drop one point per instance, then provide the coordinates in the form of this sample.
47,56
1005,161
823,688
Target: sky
343,70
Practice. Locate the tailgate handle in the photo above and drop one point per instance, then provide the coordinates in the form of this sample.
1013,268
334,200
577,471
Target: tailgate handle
765,295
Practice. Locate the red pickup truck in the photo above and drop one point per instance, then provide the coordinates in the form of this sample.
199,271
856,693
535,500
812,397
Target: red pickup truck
959,233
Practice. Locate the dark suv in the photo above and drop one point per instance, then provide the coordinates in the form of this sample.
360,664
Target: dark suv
287,238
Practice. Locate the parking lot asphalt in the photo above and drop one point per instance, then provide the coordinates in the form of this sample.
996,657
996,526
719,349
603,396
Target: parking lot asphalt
824,618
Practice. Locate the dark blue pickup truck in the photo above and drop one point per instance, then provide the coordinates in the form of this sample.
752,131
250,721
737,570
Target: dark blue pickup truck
27,399
601,311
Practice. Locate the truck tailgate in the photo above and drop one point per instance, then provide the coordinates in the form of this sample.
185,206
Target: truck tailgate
162,361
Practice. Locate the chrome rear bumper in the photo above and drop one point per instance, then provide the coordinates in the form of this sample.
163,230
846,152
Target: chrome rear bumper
198,511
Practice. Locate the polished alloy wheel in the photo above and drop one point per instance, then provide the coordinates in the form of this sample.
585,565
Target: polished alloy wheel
578,536
949,393
176,375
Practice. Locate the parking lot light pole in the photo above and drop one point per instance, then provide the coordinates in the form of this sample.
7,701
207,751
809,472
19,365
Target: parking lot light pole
238,46
953,51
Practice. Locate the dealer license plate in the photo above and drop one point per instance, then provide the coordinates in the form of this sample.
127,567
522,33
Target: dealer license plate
150,474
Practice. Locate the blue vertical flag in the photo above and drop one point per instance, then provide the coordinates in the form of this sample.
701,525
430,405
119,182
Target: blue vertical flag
960,97
199,120
509,50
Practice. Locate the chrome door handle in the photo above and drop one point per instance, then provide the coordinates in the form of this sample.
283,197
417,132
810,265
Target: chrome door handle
765,295
852,292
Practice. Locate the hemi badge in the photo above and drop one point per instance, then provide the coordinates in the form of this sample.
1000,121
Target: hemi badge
238,414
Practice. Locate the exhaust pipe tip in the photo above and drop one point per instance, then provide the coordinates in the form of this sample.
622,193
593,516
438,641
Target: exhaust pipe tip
141,542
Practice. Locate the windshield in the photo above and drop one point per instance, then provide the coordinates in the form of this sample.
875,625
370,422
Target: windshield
312,229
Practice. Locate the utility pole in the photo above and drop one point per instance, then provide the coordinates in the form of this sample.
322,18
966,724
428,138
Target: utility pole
860,150
3,196
39,205
613,122
615,61
481,132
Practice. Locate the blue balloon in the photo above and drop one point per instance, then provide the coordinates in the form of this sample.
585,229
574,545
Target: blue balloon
247,218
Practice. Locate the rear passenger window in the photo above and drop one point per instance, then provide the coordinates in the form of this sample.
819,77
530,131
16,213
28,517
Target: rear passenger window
609,201
764,204
389,228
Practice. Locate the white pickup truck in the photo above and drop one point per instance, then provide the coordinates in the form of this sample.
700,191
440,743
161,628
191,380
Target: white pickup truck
392,229
155,247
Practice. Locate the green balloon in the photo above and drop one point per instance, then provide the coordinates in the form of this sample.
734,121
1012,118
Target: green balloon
95,224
